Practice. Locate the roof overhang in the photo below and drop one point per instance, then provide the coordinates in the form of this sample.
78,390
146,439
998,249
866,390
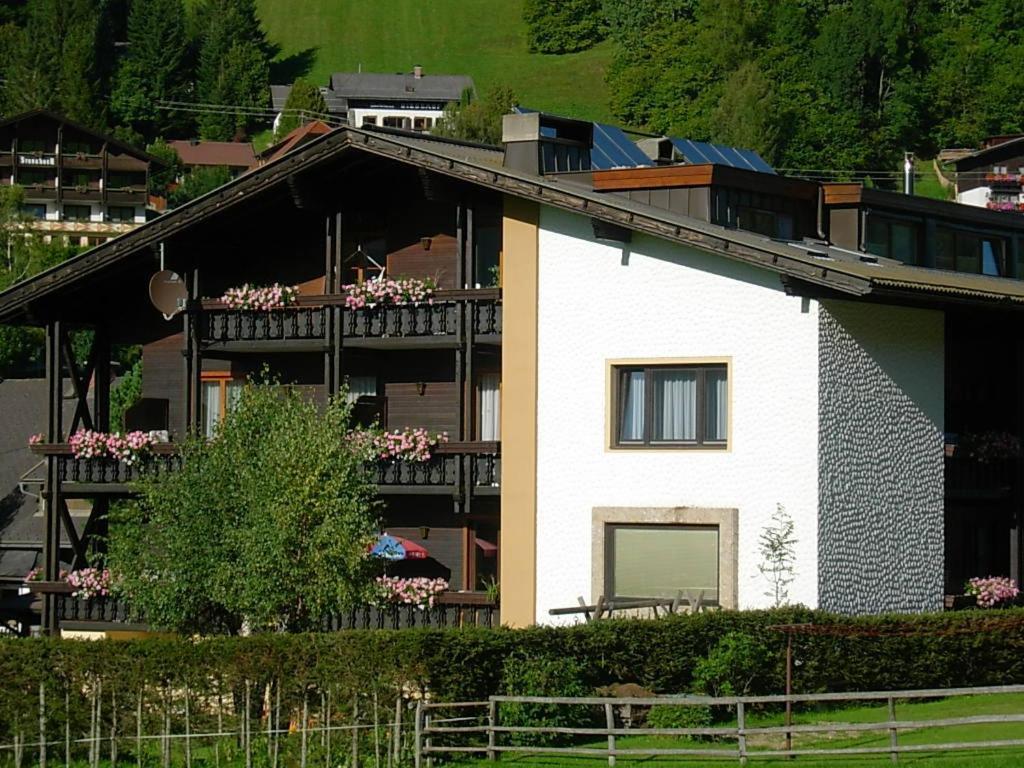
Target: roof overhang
456,161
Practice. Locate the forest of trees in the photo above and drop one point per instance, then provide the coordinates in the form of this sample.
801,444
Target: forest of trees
115,65
810,84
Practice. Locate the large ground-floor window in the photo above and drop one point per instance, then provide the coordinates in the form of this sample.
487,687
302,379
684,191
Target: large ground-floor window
662,561
658,552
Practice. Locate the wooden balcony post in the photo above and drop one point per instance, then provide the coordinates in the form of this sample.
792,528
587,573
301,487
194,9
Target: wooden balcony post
51,496
101,388
337,311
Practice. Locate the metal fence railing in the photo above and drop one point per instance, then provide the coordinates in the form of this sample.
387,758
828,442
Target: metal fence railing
484,734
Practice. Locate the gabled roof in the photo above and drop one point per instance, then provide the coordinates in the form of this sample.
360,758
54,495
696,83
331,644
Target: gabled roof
128,149
374,85
234,154
843,273
975,158
295,138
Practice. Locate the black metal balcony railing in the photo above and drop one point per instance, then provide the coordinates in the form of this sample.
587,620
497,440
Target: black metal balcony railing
108,471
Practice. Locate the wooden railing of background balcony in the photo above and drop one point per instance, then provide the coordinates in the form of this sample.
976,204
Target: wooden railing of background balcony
306,321
450,609
454,467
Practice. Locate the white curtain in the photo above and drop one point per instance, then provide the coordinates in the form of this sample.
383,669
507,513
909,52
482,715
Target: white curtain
716,428
211,406
675,405
632,427
490,406
234,391
361,385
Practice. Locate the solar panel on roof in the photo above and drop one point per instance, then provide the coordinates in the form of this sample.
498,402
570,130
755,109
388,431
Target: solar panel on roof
614,149
705,152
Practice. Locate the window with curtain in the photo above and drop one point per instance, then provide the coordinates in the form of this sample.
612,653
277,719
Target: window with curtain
671,406
490,406
358,386
220,395
643,561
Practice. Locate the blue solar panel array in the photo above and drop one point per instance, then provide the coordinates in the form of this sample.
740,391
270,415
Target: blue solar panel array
703,152
614,149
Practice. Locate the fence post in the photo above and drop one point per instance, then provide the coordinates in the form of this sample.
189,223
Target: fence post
42,724
741,732
609,719
397,744
305,726
355,731
492,720
138,731
417,734
428,742
893,755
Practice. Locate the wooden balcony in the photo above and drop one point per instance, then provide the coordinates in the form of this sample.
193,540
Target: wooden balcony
967,478
88,192
127,196
451,610
81,161
40,191
441,324
87,477
453,469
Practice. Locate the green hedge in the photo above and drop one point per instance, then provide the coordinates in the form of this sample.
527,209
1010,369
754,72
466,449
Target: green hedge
954,649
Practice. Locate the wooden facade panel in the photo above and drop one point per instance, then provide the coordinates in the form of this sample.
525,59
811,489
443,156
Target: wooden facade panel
437,409
163,376
445,546
440,262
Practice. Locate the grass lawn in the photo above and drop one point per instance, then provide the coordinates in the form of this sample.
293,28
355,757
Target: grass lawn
926,183
930,710
481,38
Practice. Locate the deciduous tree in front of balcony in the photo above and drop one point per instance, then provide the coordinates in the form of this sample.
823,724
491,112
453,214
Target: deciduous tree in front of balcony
265,527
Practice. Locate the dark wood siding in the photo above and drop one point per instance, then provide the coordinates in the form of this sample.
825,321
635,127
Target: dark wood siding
163,377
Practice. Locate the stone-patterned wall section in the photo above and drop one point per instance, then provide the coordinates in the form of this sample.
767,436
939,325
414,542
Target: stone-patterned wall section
880,458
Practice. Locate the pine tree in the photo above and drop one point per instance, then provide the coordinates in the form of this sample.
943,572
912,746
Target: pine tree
303,103
154,69
59,62
234,67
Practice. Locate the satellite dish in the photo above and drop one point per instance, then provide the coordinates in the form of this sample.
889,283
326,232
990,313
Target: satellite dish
168,293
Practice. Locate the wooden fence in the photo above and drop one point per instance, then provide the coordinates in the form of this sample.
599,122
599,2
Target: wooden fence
484,735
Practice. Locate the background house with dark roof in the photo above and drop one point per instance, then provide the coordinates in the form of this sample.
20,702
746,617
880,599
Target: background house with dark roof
237,156
411,101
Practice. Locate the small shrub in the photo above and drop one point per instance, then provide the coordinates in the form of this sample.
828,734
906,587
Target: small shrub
669,716
544,676
738,664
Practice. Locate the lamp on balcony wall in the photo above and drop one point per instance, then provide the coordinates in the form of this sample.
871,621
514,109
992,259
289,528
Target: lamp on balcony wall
424,532
426,242
421,388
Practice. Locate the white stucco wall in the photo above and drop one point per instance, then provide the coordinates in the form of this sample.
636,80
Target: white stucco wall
653,299
977,196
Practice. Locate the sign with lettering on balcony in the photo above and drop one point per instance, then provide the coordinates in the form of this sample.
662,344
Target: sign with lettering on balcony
37,160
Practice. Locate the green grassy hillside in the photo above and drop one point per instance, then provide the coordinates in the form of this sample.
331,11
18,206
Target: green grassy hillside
485,39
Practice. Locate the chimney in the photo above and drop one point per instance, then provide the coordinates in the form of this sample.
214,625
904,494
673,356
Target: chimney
537,143
417,72
659,150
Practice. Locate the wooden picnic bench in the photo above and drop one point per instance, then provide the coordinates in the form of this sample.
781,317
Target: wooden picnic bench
604,608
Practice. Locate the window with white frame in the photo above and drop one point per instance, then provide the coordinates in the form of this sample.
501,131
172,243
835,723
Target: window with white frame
489,400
